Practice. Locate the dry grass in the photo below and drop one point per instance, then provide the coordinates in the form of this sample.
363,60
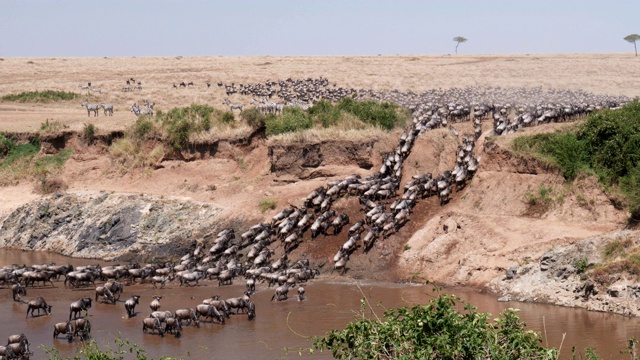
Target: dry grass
129,154
320,134
598,73
220,131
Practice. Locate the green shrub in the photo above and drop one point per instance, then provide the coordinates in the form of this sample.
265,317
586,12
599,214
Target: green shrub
606,144
91,351
6,144
384,115
52,126
142,128
179,123
227,118
291,120
439,330
89,133
253,117
41,96
581,265
267,204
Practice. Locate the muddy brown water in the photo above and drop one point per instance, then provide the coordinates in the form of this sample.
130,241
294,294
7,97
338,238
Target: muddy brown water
280,328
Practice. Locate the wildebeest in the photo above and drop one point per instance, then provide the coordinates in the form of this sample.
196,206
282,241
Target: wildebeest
281,293
130,305
106,294
77,307
155,303
18,290
82,328
38,304
153,324
65,328
209,312
189,315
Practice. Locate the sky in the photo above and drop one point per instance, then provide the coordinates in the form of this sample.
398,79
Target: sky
114,28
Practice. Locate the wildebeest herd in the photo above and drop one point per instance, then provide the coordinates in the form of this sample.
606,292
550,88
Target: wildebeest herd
386,204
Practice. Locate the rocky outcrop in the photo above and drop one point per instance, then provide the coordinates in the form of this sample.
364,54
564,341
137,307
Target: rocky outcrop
304,160
108,226
558,278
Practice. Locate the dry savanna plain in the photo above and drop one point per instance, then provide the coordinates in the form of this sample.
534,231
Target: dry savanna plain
495,229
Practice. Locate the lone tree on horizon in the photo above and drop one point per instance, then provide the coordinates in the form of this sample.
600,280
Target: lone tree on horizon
632,39
461,39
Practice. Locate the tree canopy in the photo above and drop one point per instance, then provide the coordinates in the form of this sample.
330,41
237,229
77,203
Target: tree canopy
458,40
632,39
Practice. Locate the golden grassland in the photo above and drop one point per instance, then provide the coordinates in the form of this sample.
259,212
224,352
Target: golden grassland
614,74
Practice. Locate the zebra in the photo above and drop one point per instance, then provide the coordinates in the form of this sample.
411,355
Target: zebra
271,107
126,88
233,105
149,104
108,109
91,107
135,108
96,90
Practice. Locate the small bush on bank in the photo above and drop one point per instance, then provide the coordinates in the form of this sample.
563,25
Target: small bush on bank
439,330
607,144
266,205
291,120
347,114
52,126
89,133
6,144
21,163
41,96
253,117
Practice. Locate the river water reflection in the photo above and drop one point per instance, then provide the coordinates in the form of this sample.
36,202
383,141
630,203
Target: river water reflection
279,329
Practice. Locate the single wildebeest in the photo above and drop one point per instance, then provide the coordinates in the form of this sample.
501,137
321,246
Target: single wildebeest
189,315
77,307
38,304
155,303
18,290
65,328
153,324
209,312
83,328
130,305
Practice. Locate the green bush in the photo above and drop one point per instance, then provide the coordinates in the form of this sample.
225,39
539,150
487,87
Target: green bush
52,126
253,117
607,144
89,133
385,115
6,144
142,128
41,96
439,330
179,123
19,152
91,351
267,204
227,118
291,120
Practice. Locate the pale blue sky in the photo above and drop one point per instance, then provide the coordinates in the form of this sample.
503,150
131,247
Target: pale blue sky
55,28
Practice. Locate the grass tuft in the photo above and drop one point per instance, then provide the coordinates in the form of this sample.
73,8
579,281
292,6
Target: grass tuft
46,96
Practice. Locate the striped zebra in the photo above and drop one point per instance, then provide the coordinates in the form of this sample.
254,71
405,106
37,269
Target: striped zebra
108,109
91,107
135,108
271,107
232,106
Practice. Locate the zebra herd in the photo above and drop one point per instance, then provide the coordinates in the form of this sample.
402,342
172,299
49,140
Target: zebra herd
93,108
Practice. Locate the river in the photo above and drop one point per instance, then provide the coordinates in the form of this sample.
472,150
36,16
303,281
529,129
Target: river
280,329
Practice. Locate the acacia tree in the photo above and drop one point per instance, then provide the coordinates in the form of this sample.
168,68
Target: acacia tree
632,39
458,40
